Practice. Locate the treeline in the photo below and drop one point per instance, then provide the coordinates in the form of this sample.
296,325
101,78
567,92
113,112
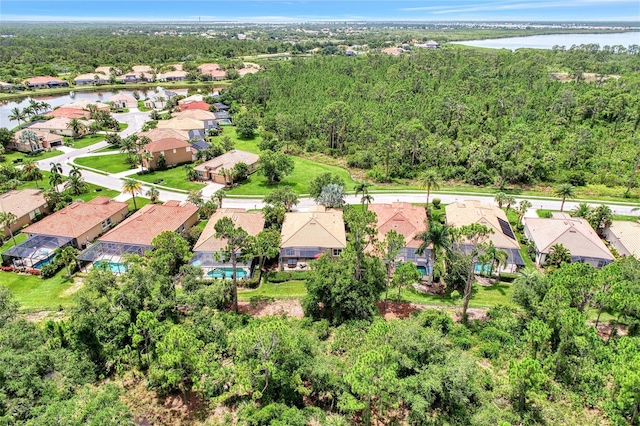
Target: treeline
479,116
134,335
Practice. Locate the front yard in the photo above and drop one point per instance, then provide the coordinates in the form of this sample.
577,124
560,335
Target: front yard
113,163
10,156
85,141
171,178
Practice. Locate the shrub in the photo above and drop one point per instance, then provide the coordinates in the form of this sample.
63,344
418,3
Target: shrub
49,270
436,203
249,283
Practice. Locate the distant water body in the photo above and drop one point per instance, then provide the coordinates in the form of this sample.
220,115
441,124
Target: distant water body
550,40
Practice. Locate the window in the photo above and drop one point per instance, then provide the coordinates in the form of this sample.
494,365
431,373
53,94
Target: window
180,229
174,150
336,252
106,223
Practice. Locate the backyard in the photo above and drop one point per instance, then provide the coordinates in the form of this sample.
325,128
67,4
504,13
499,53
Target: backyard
36,294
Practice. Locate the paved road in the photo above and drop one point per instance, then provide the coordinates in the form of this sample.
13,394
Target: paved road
136,119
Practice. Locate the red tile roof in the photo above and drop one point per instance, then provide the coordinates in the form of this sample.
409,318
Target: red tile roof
149,222
201,105
165,144
78,218
69,113
43,80
404,218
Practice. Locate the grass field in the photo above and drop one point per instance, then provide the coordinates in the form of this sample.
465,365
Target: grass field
35,294
114,163
85,141
96,191
172,178
140,202
10,156
19,237
286,290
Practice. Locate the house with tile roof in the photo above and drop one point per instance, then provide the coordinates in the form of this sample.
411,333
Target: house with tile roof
57,125
190,99
135,234
27,205
208,248
197,105
468,212
157,134
87,105
123,100
173,76
77,225
44,82
66,112
91,79
175,151
409,221
212,169
307,235
208,118
158,100
574,233
43,140
624,236
213,70
184,124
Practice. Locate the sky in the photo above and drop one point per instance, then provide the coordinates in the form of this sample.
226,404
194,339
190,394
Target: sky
325,10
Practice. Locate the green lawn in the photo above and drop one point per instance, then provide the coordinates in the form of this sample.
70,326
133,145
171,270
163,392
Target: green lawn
286,290
96,191
109,148
36,294
122,126
86,141
10,156
114,163
250,145
304,171
20,237
141,106
171,178
140,202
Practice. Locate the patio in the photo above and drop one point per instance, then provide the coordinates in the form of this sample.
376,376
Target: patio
35,252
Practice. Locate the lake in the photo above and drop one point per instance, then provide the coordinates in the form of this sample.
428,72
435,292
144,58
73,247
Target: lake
550,40
59,100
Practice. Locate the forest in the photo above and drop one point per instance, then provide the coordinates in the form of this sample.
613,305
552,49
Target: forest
482,117
159,345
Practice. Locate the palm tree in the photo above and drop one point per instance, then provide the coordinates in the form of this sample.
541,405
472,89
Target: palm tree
582,210
440,238
32,172
66,256
146,157
153,194
195,198
500,198
558,255
496,257
219,196
76,184
17,115
77,128
429,179
509,199
29,137
75,171
6,220
43,106
133,187
566,190
363,188
192,174
522,209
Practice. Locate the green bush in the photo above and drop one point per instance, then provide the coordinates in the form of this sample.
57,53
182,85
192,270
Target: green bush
49,270
436,203
249,283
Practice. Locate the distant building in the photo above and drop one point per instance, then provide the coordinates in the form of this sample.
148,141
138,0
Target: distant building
213,70
26,204
624,236
91,79
212,169
123,100
175,151
45,82
45,140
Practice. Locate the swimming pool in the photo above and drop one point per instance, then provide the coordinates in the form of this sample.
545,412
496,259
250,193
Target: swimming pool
116,268
423,270
43,262
480,270
225,122
222,273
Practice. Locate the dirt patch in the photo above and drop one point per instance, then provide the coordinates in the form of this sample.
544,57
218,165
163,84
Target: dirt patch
399,310
290,307
43,315
605,329
77,283
588,77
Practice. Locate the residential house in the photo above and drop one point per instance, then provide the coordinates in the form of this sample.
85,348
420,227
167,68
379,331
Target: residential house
45,82
142,68
494,218
199,145
624,236
223,117
218,106
208,249
91,79
394,50
45,140
27,205
58,125
135,234
307,235
197,105
212,169
6,87
247,70
76,225
431,44
123,100
190,99
207,118
157,134
213,70
136,76
574,233
87,105
158,100
409,221
173,76
175,151
66,112
184,124
107,70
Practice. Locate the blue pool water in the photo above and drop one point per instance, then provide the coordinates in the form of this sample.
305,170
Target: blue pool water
224,122
227,273
42,263
479,269
423,270
116,268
